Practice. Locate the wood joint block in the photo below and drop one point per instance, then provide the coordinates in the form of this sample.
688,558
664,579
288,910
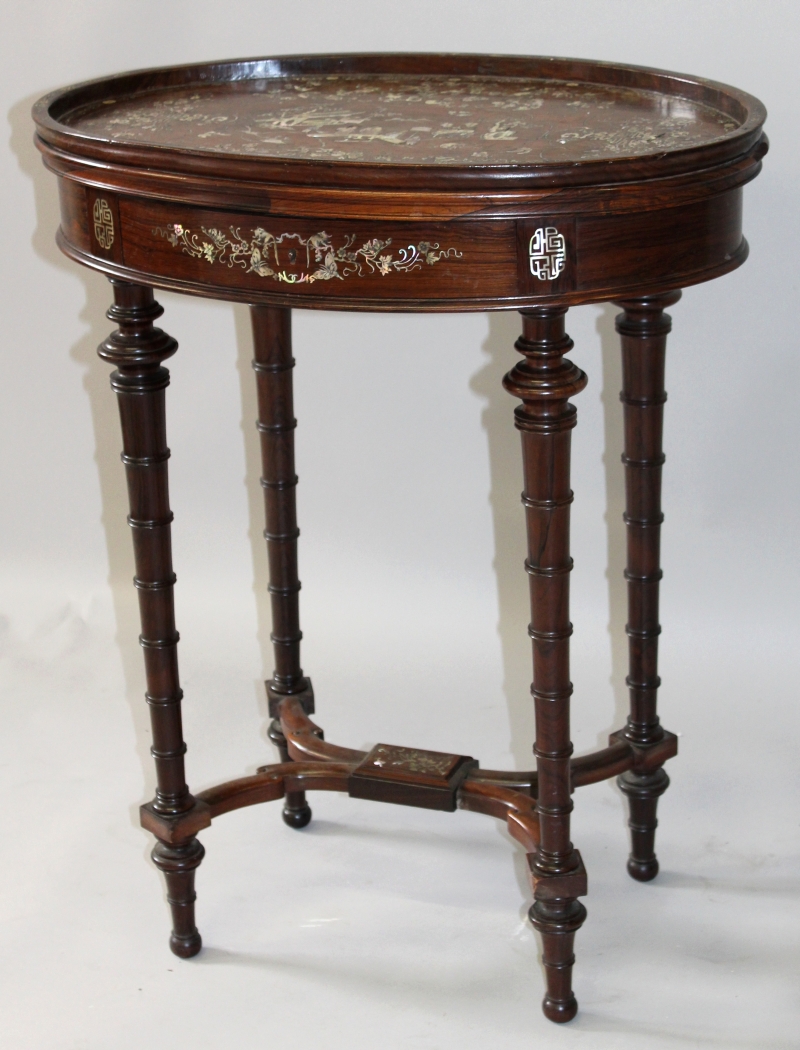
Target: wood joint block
178,828
305,698
557,887
647,759
410,777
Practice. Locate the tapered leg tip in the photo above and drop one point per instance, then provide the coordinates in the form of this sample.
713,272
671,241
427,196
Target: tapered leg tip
559,1010
186,947
642,870
297,818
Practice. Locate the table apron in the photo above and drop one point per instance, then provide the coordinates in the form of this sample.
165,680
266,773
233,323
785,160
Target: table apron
463,263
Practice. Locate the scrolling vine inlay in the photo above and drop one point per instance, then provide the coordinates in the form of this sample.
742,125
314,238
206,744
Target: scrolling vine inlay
294,259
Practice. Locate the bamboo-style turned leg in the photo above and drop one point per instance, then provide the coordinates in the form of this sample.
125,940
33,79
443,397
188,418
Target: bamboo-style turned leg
643,328
137,349
273,364
545,382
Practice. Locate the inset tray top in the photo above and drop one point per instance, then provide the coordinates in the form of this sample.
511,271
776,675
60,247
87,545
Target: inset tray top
433,182
409,119
453,111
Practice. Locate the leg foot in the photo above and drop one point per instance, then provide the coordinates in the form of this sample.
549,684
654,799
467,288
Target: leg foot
642,870
296,816
296,811
557,922
643,791
185,947
179,864
560,1012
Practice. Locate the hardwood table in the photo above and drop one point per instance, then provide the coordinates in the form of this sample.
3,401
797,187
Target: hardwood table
418,183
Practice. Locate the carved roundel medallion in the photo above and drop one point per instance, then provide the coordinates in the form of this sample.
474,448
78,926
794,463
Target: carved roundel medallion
103,223
547,252
546,255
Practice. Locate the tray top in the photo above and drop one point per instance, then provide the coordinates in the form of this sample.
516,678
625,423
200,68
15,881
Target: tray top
405,111
409,119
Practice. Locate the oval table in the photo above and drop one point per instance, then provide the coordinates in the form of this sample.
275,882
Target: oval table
408,182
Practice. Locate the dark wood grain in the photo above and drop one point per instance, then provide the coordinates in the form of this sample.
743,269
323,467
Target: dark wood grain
275,782
140,380
545,381
577,144
463,263
517,809
701,237
273,364
643,329
403,182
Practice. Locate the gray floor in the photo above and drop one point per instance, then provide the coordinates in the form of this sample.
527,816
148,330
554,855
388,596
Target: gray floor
379,925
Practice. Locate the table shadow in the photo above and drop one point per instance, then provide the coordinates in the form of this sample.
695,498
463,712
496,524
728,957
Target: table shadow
97,298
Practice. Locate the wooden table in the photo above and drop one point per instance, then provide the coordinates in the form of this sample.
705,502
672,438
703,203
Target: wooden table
408,182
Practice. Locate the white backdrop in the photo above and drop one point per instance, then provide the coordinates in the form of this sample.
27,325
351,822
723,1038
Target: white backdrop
379,919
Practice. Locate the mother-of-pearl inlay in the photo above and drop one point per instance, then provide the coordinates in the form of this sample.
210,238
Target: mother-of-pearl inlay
408,119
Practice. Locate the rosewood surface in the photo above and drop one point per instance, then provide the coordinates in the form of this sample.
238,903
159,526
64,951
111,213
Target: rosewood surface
408,182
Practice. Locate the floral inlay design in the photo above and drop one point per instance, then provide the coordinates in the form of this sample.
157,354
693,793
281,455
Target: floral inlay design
103,223
548,253
410,760
409,119
294,259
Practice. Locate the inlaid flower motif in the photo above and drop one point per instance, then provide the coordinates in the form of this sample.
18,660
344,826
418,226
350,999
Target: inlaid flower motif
293,259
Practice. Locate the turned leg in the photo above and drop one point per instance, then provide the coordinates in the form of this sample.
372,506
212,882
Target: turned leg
643,328
273,364
545,382
139,381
